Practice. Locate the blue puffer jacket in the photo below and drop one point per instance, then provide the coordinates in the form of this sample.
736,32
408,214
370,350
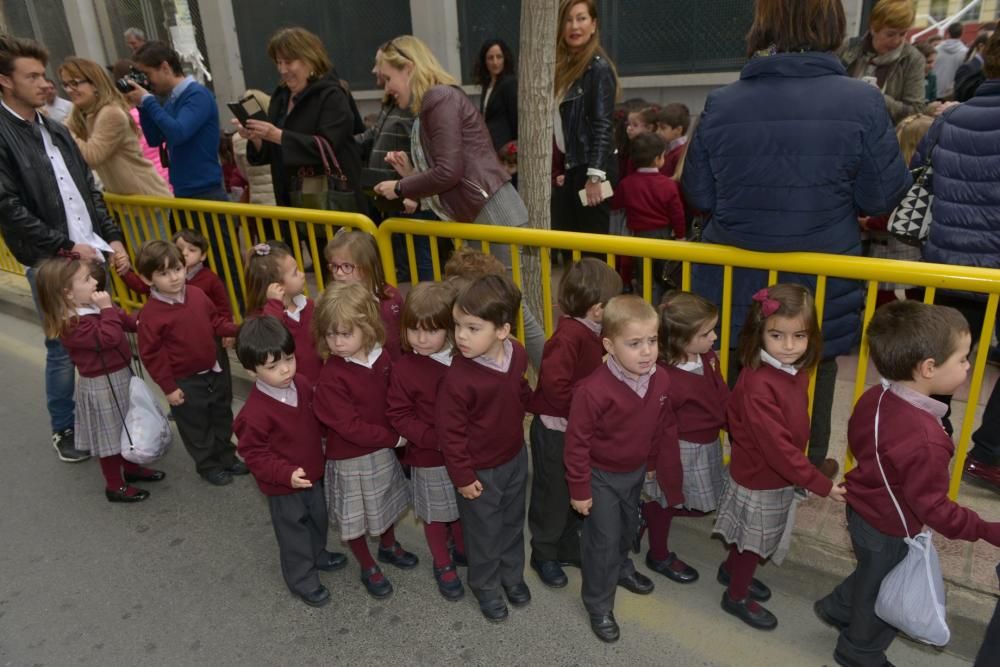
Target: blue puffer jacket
966,183
785,159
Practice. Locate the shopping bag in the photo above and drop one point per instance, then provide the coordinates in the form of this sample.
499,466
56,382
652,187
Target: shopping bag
146,432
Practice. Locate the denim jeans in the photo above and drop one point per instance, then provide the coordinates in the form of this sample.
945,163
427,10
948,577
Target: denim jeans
60,375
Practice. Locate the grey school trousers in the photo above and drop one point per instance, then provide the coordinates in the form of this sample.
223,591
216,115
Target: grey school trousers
300,525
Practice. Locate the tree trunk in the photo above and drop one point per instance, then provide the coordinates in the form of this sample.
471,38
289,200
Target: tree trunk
536,69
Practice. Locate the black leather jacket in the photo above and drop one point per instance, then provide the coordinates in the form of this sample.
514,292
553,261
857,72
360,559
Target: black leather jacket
32,216
586,113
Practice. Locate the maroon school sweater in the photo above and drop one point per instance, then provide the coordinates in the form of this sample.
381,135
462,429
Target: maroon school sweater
611,428
571,354
106,329
768,428
205,280
390,309
480,415
275,438
699,401
651,201
178,340
307,360
672,159
350,401
915,452
413,392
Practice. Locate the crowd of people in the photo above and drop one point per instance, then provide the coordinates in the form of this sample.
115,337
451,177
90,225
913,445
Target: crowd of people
368,401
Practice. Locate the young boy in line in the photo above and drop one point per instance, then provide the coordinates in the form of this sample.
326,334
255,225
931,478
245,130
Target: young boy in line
621,430
672,123
919,350
279,437
177,330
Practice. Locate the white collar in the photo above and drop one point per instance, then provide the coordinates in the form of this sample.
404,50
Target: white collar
444,355
17,115
88,310
299,302
288,395
194,270
648,170
691,366
771,361
370,361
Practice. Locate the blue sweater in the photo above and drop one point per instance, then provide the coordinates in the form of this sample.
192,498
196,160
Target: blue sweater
189,124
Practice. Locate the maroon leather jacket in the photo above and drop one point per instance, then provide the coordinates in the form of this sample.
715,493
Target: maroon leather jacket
464,168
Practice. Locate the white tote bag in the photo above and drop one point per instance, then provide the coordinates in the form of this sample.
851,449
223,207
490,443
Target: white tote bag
912,597
145,430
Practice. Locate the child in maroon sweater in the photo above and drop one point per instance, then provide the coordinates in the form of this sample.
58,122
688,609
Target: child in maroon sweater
177,327
572,353
413,393
699,398
480,417
768,418
920,350
280,440
365,487
621,432
93,333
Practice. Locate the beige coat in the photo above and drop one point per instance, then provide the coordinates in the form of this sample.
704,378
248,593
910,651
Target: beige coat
258,176
113,152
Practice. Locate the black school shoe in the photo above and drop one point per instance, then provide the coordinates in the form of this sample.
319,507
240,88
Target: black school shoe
637,583
318,598
761,619
687,575
123,496
822,615
218,478
451,590
844,661
395,555
149,476
550,572
606,627
377,589
331,561
495,610
518,595
238,468
758,590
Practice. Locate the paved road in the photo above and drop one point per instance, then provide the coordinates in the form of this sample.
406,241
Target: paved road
190,577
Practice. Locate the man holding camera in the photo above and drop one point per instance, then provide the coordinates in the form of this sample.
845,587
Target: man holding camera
188,121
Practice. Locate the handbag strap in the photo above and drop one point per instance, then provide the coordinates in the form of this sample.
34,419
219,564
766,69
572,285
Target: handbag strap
331,165
937,137
899,510
111,387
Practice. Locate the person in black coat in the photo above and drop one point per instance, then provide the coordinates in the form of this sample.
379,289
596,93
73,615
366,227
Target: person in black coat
496,72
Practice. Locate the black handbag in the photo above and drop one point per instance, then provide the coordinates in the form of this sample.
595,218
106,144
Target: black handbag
328,191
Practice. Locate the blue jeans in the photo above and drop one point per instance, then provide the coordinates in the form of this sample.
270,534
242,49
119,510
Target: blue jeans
60,375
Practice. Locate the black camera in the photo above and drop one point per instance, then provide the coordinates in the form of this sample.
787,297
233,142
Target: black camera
135,77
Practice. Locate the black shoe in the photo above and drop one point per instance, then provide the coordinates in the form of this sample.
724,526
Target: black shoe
450,590
569,563
218,478
123,496
494,610
318,598
844,661
150,476
331,561
404,560
550,573
238,468
377,589
518,594
606,627
686,575
458,559
761,619
637,583
826,618
758,591
64,443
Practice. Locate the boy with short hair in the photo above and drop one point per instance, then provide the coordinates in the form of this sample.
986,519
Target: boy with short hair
919,350
673,123
621,429
177,327
280,440
480,417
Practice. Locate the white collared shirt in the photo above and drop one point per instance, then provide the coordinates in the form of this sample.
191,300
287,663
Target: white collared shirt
299,302
444,355
83,311
193,271
771,361
504,364
288,395
695,366
370,361
594,327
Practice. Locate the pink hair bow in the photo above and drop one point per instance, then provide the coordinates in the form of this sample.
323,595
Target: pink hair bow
768,306
262,249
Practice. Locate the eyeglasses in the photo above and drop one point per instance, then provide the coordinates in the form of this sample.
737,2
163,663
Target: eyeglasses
73,83
346,268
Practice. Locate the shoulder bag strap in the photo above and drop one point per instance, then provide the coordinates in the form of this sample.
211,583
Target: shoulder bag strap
330,161
121,413
885,388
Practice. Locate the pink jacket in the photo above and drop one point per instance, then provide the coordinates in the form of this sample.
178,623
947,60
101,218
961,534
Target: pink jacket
152,153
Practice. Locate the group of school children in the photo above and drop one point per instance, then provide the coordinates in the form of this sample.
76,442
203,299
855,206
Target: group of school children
365,404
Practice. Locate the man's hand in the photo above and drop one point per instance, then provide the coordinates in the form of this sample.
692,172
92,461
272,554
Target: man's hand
88,253
120,258
135,94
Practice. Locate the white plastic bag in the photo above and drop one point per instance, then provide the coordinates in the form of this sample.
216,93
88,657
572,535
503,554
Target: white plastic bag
145,432
911,597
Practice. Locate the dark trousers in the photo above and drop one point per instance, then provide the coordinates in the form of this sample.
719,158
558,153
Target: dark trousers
205,422
989,652
555,527
867,636
986,439
493,526
607,536
568,214
300,524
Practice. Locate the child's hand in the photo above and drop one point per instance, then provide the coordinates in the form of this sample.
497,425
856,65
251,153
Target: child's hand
175,398
582,506
472,491
276,291
228,342
101,299
839,493
299,480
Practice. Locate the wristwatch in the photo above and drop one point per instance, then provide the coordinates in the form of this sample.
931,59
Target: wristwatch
398,189
594,179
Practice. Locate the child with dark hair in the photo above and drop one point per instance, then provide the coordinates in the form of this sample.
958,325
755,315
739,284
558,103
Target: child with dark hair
280,439
480,412
572,353
672,124
900,483
176,331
